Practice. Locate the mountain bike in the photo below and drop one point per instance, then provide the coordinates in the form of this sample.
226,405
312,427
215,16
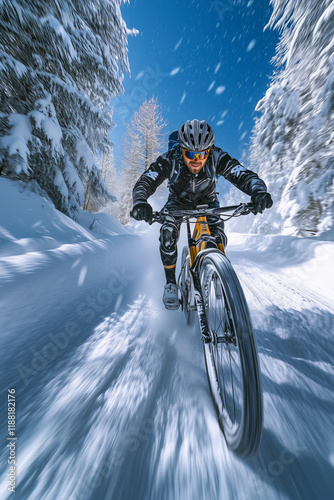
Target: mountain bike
209,285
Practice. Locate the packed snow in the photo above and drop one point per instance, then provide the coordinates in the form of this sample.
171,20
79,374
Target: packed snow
111,390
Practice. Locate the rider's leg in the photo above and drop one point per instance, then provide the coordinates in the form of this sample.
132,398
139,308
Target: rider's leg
217,230
217,226
169,235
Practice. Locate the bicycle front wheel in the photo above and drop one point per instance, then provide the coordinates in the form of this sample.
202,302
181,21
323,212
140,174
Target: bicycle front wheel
231,358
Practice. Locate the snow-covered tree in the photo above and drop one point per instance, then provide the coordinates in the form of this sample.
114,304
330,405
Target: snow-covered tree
293,140
142,145
147,124
61,61
129,173
110,178
91,202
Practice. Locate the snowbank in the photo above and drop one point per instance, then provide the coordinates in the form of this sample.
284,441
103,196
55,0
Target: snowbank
49,263
29,221
305,262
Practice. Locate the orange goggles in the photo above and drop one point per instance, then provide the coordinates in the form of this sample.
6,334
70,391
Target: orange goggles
201,155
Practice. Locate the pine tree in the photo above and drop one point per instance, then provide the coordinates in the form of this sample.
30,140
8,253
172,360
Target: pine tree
147,123
61,61
130,168
142,145
292,146
111,179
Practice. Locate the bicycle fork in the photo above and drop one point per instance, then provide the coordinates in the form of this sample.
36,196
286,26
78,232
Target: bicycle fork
194,270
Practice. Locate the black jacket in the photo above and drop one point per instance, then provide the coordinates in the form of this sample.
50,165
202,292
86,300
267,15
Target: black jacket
195,189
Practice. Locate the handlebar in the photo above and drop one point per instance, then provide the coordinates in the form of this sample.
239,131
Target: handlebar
202,211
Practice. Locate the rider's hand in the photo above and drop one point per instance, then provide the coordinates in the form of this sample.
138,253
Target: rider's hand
261,200
142,211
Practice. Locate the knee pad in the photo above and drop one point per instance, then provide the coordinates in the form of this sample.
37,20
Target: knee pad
169,234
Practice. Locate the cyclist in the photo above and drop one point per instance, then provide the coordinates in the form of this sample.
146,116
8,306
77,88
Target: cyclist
192,167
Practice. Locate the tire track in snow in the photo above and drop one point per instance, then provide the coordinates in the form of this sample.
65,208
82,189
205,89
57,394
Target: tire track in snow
86,410
293,331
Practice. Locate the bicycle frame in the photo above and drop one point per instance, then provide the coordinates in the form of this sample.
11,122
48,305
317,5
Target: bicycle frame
200,243
201,238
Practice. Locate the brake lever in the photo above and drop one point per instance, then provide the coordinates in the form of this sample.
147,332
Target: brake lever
153,218
156,217
161,217
244,209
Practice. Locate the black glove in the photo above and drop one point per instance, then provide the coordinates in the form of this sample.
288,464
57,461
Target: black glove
142,211
261,200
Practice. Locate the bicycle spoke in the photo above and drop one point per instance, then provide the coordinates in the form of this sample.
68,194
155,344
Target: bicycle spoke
222,370
232,385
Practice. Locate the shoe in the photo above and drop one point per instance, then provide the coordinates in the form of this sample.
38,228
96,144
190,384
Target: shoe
171,297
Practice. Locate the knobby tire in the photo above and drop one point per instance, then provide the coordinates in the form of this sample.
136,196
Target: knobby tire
232,363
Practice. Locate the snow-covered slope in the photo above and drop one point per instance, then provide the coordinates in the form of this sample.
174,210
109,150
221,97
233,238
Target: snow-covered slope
111,390
30,222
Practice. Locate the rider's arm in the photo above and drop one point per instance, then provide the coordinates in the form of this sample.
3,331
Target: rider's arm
245,180
151,179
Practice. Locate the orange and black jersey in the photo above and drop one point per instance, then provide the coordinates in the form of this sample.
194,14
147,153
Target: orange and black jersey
199,188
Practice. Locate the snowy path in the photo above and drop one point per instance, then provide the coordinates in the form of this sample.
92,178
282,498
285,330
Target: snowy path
121,409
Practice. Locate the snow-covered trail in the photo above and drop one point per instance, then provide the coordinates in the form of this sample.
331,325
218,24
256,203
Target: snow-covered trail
123,410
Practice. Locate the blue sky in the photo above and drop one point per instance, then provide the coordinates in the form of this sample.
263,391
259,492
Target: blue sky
204,59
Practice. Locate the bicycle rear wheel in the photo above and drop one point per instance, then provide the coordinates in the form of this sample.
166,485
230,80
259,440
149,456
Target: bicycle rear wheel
185,287
231,358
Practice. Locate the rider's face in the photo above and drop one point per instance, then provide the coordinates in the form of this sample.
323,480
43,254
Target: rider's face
195,165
